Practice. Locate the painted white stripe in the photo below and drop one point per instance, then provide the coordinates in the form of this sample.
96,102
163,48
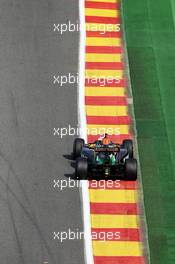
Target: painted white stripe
82,125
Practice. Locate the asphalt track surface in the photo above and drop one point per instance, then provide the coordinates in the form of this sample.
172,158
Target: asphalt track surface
30,156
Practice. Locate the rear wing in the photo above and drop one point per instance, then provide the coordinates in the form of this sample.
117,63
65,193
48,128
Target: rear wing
108,149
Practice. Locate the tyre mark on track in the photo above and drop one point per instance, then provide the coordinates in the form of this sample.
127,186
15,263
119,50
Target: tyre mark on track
30,214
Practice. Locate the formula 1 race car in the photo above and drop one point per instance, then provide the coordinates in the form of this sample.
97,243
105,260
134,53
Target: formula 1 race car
98,161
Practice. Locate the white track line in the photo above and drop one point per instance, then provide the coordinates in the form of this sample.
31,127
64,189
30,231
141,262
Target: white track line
82,126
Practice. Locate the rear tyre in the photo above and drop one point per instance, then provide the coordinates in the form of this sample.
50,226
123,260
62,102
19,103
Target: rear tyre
81,169
128,144
77,147
131,169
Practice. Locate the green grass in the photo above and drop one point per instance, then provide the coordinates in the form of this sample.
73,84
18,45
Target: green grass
150,36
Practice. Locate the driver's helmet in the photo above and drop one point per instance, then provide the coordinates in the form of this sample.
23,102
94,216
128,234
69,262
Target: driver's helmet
106,140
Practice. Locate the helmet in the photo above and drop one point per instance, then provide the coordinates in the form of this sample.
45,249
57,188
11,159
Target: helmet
106,141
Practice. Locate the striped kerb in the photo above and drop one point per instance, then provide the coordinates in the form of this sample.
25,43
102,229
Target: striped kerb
114,210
